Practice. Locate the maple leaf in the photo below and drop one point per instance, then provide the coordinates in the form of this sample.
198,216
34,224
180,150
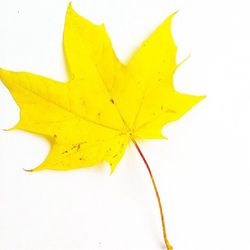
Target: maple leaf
105,104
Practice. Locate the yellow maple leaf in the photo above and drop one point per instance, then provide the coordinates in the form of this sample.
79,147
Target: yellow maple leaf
105,104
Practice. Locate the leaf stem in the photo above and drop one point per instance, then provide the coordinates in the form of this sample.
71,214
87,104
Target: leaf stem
168,245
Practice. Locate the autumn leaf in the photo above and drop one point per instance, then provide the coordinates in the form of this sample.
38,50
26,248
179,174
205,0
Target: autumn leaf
105,104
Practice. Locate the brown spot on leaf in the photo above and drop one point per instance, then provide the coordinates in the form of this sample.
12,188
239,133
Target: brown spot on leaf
77,146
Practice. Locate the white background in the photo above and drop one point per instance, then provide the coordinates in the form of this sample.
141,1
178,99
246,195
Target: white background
202,171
